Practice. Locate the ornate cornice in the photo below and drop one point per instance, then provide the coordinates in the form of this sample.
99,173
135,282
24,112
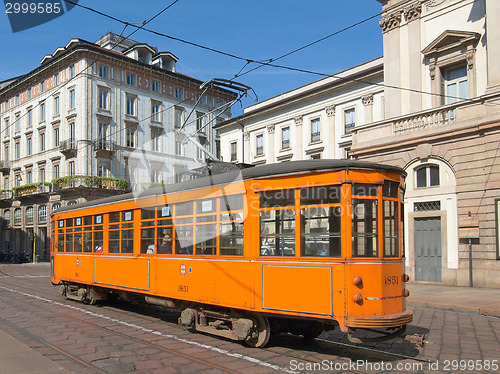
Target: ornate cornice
270,128
413,12
390,22
246,135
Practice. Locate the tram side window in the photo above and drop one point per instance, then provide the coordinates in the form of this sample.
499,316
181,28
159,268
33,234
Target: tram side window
69,242
184,239
148,240
60,243
390,228
277,232
165,243
321,233
114,241
231,225
98,233
364,228
206,239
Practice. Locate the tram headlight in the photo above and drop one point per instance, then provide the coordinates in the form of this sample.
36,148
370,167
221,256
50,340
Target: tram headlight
358,298
406,293
358,282
406,277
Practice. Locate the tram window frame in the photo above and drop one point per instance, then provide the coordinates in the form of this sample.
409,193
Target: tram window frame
231,214
364,235
332,231
390,229
277,198
165,247
278,239
61,241
365,189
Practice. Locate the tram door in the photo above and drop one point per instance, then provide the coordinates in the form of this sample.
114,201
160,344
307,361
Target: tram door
428,249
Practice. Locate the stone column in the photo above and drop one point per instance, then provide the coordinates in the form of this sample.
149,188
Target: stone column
298,137
270,143
331,152
368,104
493,50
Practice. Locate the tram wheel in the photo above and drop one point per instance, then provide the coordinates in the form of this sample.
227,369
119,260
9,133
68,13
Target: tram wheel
263,333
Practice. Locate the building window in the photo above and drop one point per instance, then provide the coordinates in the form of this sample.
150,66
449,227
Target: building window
42,175
28,146
18,150
427,176
42,112
29,215
316,156
179,93
131,102
42,213
29,118
42,86
155,140
72,99
455,84
56,137
130,137
200,122
103,71
18,216
18,122
315,130
234,151
29,93
178,145
259,145
349,120
131,79
56,80
29,178
7,127
285,138
56,206
72,71
155,111
103,98
103,168
71,168
6,216
42,141
6,183
6,153
178,113
72,135
56,105
155,86
56,172
18,180
102,135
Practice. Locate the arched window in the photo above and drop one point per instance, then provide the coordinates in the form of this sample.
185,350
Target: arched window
42,213
73,202
6,216
56,206
427,176
29,215
18,217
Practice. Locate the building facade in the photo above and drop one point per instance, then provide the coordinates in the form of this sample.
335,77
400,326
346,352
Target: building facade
96,119
432,108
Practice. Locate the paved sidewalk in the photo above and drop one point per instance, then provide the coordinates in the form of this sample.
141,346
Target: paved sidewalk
465,299
16,357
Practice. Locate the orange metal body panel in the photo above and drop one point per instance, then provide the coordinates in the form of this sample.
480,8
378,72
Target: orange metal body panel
126,273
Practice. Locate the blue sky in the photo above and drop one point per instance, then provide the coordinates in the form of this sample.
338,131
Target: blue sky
256,30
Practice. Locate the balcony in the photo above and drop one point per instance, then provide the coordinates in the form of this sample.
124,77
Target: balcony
444,121
6,194
31,189
5,167
89,181
104,149
69,147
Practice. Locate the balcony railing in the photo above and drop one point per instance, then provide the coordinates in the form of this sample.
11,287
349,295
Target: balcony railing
31,189
5,166
89,181
435,118
69,146
104,148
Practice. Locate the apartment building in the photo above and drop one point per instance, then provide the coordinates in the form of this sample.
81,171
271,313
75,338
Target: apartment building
430,105
96,119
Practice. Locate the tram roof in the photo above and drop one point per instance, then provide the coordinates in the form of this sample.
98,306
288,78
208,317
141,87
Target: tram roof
258,172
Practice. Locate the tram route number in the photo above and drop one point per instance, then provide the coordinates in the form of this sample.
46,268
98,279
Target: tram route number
392,279
182,288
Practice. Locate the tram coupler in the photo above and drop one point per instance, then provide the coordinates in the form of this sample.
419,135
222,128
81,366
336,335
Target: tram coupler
417,339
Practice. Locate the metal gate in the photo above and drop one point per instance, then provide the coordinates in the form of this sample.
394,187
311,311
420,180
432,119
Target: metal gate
428,249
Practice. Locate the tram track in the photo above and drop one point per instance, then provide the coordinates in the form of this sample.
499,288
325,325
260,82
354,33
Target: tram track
150,315
130,338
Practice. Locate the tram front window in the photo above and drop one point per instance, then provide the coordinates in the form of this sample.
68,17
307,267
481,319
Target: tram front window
320,234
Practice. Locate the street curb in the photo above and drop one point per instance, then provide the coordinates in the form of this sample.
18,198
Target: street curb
457,308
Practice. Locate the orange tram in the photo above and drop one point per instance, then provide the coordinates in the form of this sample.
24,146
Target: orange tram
298,247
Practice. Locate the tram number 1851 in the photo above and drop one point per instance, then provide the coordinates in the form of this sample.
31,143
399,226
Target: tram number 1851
391,279
183,288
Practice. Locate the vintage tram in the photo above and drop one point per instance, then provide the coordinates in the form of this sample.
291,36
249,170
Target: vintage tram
298,247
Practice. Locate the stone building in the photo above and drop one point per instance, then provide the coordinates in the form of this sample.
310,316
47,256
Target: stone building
430,105
96,119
